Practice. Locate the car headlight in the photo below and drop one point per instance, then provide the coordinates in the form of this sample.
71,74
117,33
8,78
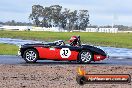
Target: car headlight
19,46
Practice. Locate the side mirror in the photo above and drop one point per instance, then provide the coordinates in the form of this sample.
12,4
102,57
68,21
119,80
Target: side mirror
78,36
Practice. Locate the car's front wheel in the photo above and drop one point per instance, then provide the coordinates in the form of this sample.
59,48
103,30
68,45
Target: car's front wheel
30,55
85,56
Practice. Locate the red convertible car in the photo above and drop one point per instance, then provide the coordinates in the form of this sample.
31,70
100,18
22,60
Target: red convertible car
58,50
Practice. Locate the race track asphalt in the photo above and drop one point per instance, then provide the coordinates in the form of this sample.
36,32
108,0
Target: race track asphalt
10,59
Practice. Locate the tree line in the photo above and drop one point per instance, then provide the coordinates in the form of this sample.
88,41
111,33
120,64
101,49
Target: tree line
14,23
56,16
120,27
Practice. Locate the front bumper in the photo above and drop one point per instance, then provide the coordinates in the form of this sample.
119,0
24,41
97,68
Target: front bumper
19,53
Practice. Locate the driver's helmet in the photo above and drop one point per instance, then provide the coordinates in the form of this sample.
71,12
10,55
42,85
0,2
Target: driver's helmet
73,41
59,42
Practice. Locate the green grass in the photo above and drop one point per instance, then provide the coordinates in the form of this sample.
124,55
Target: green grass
102,39
6,49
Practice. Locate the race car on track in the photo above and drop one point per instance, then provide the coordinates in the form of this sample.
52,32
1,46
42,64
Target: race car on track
59,51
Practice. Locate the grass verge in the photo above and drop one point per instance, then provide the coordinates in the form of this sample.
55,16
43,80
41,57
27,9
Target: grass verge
7,49
102,39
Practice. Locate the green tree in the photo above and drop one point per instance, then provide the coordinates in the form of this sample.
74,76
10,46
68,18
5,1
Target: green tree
54,16
64,18
83,19
36,14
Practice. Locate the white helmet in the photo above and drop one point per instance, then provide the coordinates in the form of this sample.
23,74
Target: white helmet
60,42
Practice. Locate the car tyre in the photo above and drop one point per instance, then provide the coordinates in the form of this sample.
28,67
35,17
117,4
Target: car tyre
85,56
30,55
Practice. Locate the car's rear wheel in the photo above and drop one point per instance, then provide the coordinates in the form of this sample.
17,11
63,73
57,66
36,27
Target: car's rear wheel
30,55
85,56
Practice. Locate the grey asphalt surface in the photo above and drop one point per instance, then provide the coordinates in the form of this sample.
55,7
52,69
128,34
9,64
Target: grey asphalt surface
17,60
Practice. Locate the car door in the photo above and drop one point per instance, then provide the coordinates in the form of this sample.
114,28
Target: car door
48,52
66,52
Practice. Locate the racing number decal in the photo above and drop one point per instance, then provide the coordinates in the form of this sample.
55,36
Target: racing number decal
65,52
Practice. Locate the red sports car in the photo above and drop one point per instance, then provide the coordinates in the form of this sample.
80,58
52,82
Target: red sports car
60,51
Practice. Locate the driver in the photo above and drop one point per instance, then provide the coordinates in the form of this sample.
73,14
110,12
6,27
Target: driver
74,41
